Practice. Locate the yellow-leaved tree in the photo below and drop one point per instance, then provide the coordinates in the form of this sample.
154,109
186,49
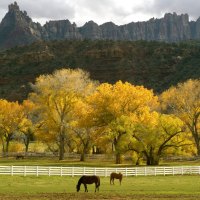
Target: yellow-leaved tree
84,132
115,110
155,134
11,116
28,125
184,101
56,96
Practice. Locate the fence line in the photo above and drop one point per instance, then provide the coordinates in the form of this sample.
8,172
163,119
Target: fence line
79,171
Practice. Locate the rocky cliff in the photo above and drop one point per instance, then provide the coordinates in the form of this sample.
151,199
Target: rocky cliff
17,28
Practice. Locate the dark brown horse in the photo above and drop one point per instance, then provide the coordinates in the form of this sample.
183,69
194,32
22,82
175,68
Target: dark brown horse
88,180
114,175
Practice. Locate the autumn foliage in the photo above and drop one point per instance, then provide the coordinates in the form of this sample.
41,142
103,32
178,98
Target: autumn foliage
72,113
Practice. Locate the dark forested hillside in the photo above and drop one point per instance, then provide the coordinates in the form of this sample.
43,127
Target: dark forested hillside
153,64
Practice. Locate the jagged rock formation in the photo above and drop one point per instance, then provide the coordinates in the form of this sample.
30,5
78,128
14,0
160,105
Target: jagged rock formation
17,28
62,29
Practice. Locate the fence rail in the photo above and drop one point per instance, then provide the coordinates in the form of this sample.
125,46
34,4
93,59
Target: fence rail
78,171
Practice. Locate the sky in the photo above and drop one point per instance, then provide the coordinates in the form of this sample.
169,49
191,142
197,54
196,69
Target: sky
101,11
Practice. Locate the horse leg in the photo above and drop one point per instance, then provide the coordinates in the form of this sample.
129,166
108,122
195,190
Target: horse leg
97,186
86,190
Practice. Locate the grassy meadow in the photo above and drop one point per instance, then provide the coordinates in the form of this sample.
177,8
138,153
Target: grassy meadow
130,185
150,187
64,188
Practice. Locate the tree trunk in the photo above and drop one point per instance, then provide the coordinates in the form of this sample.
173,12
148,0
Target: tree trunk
3,146
198,150
7,145
26,143
152,157
82,157
26,147
62,147
118,158
196,139
152,160
85,150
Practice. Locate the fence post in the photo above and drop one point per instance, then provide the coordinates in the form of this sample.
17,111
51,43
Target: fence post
24,170
49,171
164,171
83,170
126,171
136,171
11,170
72,171
61,171
36,170
155,171
105,172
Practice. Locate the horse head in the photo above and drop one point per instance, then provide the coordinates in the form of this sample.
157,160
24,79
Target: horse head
77,188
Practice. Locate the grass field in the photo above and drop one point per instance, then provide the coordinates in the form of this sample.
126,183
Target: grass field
60,188
64,188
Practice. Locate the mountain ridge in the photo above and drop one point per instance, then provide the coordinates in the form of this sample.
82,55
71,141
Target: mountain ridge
17,29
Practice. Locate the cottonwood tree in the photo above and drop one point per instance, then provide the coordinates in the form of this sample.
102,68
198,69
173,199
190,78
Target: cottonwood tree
11,116
116,107
83,131
28,125
155,134
56,96
184,101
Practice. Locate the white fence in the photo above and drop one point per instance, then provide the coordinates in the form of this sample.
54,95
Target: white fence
79,171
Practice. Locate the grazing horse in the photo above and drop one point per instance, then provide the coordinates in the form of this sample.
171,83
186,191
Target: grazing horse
114,175
88,180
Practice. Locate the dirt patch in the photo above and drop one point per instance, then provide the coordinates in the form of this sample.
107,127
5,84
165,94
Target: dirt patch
85,196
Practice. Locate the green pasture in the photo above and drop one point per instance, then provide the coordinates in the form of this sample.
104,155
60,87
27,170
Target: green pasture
16,185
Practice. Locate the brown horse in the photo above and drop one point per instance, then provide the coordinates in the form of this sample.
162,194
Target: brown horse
114,175
88,180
